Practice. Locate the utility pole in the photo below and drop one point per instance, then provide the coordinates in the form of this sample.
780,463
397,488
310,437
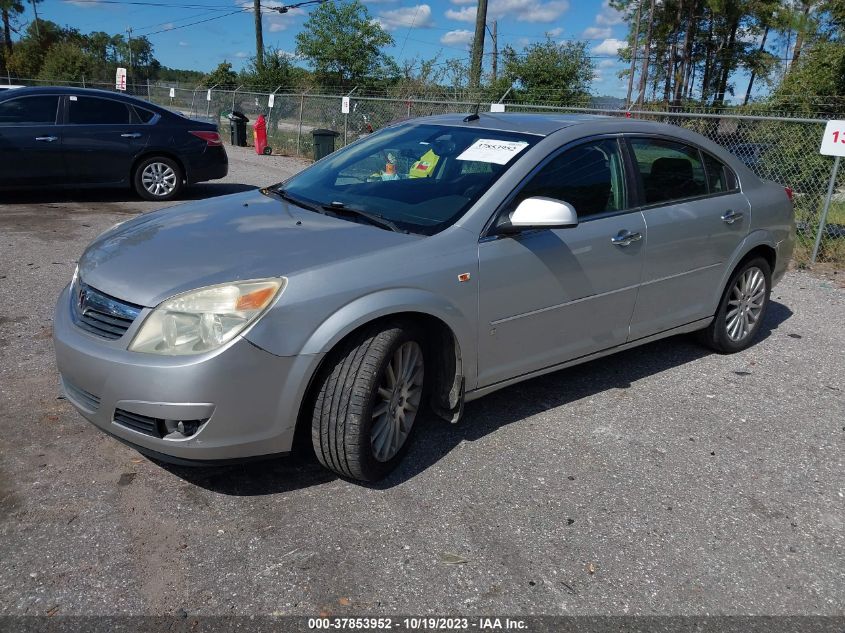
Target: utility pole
478,45
635,46
35,10
259,35
129,33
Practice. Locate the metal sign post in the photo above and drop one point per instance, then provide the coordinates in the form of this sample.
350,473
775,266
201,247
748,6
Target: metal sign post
833,144
823,219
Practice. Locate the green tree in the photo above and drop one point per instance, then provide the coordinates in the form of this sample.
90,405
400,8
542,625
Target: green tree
548,72
67,62
342,42
222,76
277,70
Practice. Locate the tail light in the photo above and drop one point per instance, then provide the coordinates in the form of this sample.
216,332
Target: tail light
210,138
789,193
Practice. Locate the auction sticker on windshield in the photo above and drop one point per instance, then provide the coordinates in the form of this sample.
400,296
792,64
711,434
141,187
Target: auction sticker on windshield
486,150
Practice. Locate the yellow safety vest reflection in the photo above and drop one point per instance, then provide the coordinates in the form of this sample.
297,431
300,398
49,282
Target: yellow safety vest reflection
424,167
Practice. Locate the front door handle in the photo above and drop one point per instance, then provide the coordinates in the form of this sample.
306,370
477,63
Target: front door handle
131,135
730,216
625,238
47,139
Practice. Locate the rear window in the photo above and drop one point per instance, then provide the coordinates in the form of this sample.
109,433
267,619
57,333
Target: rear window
95,111
29,110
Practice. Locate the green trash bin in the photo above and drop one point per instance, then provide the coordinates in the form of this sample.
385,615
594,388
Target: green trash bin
323,142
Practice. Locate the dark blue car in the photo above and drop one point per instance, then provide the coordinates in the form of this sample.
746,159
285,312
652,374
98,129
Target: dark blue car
75,137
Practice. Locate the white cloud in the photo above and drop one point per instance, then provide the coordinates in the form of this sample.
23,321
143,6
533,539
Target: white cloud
597,32
609,46
277,25
241,55
461,37
555,32
463,1
183,44
418,16
168,26
608,16
525,10
607,63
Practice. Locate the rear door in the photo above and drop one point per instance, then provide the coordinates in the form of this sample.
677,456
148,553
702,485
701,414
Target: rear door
696,219
30,142
548,296
101,138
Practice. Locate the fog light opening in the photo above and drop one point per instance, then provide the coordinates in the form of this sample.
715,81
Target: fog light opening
181,429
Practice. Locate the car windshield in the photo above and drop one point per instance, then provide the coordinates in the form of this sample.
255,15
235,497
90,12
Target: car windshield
420,178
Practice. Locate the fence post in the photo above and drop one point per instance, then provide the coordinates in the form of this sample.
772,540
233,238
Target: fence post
825,209
299,129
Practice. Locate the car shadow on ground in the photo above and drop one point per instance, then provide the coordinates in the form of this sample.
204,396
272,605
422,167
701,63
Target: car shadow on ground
199,191
435,438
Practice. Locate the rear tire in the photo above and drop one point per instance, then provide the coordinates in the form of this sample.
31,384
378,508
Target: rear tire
367,401
158,178
741,309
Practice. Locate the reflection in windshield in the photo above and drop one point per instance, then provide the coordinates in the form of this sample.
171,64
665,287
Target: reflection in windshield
421,178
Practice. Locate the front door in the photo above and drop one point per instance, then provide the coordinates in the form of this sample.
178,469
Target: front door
101,137
696,219
552,295
30,142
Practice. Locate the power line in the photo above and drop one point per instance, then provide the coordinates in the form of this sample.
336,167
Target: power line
183,26
212,7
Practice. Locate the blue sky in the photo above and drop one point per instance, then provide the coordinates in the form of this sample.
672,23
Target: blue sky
418,28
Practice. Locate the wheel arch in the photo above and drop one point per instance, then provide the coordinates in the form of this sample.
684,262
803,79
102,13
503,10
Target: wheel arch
757,243
150,153
442,345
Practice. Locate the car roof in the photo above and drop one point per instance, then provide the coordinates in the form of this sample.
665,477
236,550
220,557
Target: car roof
528,123
73,90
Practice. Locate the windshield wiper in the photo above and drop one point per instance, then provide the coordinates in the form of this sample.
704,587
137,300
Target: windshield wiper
340,208
284,195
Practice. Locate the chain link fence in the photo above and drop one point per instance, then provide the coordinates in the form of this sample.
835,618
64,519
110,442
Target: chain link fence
782,149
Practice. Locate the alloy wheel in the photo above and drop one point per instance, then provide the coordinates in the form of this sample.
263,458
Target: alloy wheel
159,179
398,400
746,303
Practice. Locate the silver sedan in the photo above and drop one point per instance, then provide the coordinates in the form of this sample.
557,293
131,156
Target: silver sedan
428,264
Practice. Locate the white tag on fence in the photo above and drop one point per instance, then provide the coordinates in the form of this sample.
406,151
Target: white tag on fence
344,105
833,141
271,101
208,96
497,107
172,92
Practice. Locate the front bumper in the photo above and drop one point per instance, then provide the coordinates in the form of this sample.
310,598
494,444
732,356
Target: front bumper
246,399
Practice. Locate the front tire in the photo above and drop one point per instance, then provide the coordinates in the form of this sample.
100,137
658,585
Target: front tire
367,402
742,308
158,178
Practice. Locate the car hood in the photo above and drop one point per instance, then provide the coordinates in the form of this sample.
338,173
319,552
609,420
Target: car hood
242,236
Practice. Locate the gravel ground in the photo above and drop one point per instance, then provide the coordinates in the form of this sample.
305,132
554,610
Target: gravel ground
663,480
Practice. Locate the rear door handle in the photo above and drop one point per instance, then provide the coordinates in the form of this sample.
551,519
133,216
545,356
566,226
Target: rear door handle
47,139
131,135
730,216
625,238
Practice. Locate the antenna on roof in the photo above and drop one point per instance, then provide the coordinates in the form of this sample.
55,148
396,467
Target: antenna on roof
474,116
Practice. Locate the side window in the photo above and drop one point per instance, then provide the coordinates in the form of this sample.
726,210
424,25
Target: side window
719,175
29,111
589,176
669,170
145,116
94,111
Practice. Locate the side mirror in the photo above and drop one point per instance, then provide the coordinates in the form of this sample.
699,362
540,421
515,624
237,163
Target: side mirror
541,213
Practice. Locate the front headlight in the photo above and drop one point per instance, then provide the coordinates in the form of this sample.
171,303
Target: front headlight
204,319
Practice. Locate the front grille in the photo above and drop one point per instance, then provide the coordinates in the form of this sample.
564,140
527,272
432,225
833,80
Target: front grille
141,423
100,314
81,398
